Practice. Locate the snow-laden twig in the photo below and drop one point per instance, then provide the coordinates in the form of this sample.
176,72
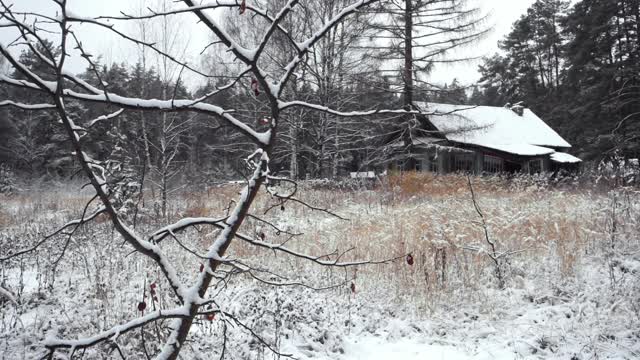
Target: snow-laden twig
113,333
154,104
284,11
113,115
24,106
493,254
245,55
8,295
73,223
183,224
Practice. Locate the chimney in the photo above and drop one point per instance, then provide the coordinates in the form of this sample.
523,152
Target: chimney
517,108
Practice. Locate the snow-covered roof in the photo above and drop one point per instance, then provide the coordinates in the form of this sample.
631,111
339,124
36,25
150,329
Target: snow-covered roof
493,127
564,158
419,140
522,149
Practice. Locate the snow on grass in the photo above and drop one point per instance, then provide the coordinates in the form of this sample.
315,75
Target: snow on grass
571,287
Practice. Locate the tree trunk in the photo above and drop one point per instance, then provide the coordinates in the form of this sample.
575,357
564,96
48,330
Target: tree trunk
293,160
408,82
408,55
163,158
336,154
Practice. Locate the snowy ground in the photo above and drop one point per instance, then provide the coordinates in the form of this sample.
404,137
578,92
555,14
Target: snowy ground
572,275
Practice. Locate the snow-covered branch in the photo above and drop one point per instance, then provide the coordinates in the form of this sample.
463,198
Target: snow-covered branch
113,115
284,105
73,223
8,295
215,253
183,224
141,104
305,46
53,343
245,55
275,25
27,106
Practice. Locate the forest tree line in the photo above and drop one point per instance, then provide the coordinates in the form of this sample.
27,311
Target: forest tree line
577,67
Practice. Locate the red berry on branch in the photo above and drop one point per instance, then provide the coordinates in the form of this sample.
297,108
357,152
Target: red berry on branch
409,259
211,317
142,305
255,87
243,6
153,285
353,288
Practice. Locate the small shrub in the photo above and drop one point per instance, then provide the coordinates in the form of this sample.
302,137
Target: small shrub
7,180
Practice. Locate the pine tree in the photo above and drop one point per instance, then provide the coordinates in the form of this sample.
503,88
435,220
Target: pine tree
603,58
36,134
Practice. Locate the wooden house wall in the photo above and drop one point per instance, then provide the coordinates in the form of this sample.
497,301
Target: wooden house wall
446,161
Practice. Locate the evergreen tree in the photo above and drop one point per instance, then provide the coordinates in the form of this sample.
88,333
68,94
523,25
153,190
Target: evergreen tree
603,70
37,140
577,68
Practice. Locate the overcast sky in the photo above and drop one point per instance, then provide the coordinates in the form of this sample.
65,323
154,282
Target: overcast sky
99,41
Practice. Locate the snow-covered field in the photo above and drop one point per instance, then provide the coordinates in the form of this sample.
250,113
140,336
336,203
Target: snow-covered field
569,256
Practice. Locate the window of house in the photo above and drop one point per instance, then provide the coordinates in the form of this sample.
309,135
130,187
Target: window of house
463,162
419,166
399,165
430,163
535,166
492,164
404,165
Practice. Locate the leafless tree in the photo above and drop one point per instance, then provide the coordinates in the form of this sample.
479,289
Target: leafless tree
318,141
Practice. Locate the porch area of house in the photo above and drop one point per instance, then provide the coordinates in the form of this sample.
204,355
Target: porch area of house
478,162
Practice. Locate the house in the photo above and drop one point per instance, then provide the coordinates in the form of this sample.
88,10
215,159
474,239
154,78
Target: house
485,139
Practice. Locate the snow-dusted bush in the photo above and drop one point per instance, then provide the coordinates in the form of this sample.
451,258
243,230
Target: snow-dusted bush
7,180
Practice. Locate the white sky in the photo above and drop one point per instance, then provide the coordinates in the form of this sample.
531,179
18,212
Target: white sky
99,41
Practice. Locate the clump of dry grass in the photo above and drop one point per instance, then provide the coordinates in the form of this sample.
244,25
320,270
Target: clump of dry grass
403,186
206,202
